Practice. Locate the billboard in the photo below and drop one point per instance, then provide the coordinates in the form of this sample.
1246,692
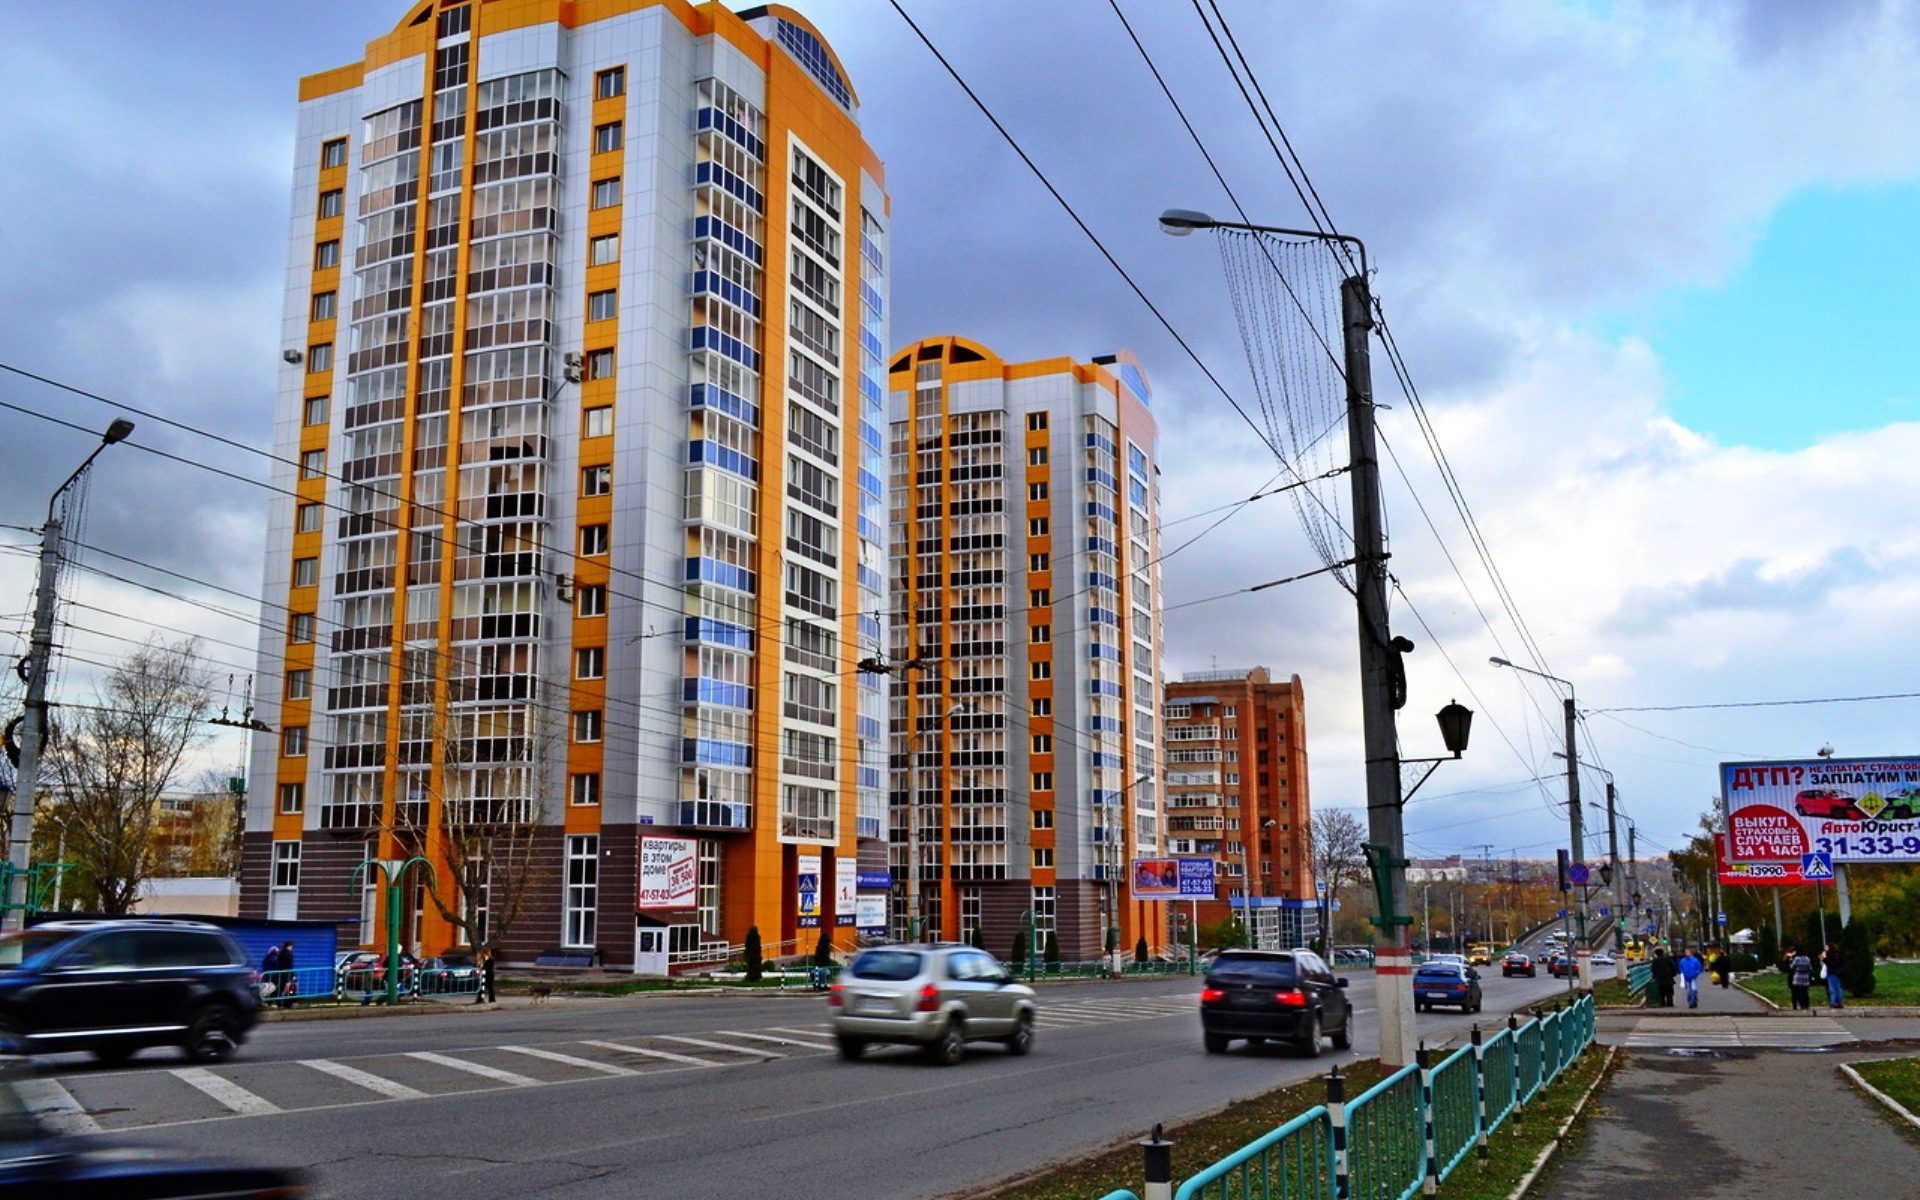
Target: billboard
1852,809
1733,874
1173,879
669,869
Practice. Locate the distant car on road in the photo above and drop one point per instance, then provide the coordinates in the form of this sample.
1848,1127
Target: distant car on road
1603,960
938,997
1559,965
1287,996
1517,963
1825,802
1446,983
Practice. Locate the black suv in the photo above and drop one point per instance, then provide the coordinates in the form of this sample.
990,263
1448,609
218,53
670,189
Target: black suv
1287,996
114,987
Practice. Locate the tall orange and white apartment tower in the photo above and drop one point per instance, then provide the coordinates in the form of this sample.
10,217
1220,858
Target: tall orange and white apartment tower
1025,507
583,524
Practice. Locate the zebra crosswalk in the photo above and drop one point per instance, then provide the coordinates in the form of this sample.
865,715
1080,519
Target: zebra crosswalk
149,1095
1727,1032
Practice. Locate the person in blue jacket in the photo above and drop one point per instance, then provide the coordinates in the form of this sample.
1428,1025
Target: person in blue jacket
1691,968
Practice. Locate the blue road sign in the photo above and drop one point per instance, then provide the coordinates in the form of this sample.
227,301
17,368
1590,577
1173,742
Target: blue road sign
1723,918
1604,912
1816,866
1578,873
1563,914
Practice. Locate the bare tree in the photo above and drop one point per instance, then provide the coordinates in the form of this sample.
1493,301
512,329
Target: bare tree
114,758
1334,840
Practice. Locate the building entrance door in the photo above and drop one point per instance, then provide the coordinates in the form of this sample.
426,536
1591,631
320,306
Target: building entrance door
649,950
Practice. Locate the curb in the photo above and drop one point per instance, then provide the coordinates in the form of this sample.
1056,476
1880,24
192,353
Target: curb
1898,1109
1559,1138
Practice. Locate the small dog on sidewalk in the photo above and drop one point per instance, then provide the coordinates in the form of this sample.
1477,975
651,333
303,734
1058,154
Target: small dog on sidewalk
541,992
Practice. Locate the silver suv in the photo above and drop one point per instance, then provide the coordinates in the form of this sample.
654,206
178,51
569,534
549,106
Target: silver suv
936,997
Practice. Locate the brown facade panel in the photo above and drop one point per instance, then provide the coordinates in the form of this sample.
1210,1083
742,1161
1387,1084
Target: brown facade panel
330,889
256,863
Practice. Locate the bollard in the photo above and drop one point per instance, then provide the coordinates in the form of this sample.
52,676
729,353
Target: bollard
1424,1062
1480,1091
1337,1116
1519,1097
1158,1153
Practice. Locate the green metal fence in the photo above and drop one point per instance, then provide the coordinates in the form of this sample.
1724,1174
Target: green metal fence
1386,1139
1294,1162
1453,1110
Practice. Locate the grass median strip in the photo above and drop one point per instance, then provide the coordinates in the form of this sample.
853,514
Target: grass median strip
1513,1149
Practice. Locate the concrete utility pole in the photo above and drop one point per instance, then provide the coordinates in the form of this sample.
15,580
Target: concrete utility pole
1583,953
1618,888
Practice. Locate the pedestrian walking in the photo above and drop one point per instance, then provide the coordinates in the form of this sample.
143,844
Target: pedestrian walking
289,982
1721,968
270,972
1799,979
1830,963
1691,969
483,994
1664,973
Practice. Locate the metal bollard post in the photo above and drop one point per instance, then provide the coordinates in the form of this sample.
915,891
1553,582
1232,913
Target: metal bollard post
1158,1153
1519,1097
1337,1116
1480,1091
1431,1183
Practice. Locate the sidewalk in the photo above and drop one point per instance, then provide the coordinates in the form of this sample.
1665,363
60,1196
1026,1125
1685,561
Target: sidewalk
1736,1123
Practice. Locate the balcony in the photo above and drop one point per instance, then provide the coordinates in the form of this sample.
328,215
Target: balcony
714,814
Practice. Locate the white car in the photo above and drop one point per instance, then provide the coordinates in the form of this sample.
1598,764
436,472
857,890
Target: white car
1603,960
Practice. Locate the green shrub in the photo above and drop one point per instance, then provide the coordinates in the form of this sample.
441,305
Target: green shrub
756,967
1856,959
1140,954
1053,948
1766,945
1020,950
823,952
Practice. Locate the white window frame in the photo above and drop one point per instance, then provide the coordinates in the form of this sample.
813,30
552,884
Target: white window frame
579,926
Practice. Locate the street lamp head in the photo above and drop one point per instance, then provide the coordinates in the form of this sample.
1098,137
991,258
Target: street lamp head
1499,662
1179,222
117,431
1456,723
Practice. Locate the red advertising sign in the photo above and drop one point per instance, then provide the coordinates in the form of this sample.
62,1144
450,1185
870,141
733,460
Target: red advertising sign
1851,809
1738,873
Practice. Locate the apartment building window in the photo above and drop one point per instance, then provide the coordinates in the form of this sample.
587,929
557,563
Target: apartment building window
310,518
1036,421
293,797
326,255
293,741
610,83
1042,706
1040,670
590,662
325,305
333,202
607,138
300,628
320,358
1043,911
600,364
606,192
1043,818
1043,781
580,926
585,789
603,306
603,250
586,725
1043,856
316,411
333,153
596,480
1038,527
313,464
1037,491
598,422
1037,457
1229,712
593,540
1042,743
284,899
1040,634
1039,562
299,684
593,600
306,572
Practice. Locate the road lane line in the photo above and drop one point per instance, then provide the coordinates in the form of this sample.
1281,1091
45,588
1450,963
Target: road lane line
823,1034
373,1083
778,1041
694,1041
571,1060
56,1106
668,1055
226,1091
485,1072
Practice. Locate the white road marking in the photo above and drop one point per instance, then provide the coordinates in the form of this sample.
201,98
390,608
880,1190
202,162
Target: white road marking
485,1072
824,1034
694,1041
55,1105
668,1055
778,1041
226,1091
373,1083
571,1060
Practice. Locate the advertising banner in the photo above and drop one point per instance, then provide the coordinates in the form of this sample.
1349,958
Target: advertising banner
846,872
1180,878
669,870
1852,809
872,914
1774,873
809,889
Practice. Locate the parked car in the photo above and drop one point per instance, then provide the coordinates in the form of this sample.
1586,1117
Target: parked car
114,987
1517,963
1825,802
366,971
36,1163
937,997
1446,983
445,974
1288,996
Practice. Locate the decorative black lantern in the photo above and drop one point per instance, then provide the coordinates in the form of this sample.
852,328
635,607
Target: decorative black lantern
1456,722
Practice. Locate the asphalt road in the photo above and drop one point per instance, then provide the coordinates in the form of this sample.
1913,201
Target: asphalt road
693,1095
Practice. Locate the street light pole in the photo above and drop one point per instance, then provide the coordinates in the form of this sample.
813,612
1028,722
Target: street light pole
33,734
1583,953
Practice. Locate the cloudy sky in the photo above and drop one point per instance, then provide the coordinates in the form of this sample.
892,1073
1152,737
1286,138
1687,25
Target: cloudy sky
1643,262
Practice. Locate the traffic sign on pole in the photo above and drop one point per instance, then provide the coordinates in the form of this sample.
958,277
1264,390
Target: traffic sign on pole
1577,873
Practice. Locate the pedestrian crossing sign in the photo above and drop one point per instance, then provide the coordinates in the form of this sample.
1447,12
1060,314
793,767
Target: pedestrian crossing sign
1816,867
